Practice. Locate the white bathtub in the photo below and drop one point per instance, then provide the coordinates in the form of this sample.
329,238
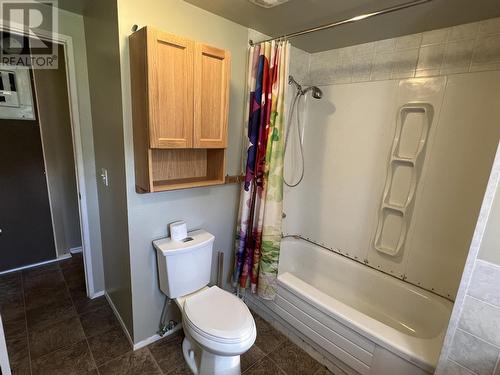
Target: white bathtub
370,321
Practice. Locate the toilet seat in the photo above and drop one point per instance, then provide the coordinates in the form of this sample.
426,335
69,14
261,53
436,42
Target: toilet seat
219,321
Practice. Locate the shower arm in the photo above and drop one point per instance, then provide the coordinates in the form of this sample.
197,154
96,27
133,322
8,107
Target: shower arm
345,21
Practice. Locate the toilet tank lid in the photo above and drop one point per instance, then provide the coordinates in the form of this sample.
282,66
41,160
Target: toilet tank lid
195,239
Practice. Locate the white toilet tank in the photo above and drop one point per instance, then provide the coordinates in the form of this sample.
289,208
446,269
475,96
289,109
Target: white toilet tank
184,266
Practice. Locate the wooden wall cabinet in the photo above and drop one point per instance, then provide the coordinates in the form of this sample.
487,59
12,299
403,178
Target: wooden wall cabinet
180,102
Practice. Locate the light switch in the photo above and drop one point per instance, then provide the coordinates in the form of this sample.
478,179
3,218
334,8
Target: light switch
104,176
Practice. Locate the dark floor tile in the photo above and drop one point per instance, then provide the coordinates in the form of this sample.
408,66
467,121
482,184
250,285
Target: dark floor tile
76,284
265,367
139,362
22,368
37,297
55,336
12,296
15,327
182,370
11,282
109,345
34,272
294,361
73,270
71,360
17,348
45,315
251,357
75,260
13,308
98,321
268,338
50,272
168,353
83,304
325,371
48,280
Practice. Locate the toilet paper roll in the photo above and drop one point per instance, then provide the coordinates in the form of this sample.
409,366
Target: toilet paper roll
178,230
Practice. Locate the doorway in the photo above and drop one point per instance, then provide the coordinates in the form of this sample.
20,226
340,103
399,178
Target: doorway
40,221
26,230
71,106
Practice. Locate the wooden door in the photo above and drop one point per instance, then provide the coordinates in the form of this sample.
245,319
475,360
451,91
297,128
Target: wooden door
211,102
26,234
170,77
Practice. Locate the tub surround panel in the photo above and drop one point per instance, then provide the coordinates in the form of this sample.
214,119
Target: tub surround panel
353,125
459,49
336,121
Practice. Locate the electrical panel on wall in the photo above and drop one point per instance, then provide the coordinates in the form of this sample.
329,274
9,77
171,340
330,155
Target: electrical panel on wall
16,99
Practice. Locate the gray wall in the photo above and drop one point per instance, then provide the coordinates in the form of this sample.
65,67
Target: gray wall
472,343
105,94
213,208
53,108
72,24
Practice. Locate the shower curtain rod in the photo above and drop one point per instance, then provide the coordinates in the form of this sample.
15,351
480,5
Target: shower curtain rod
346,21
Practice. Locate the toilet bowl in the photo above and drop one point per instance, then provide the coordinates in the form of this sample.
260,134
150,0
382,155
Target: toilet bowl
218,326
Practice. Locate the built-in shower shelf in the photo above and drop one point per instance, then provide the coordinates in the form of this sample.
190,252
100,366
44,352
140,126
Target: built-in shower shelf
392,207
403,160
412,128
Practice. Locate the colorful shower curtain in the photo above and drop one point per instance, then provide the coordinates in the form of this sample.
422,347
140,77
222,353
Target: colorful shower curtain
258,234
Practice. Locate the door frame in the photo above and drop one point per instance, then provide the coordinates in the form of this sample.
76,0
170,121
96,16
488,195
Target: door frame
67,42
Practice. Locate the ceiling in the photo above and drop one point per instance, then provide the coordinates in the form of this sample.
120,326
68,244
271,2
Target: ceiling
297,15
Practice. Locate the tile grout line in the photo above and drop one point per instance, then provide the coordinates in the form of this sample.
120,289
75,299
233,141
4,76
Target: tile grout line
483,301
26,323
79,320
155,361
496,346
275,350
462,366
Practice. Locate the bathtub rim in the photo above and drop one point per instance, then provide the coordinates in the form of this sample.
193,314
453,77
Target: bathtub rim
286,237
423,352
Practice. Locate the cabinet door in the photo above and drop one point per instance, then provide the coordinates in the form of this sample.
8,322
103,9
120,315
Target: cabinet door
170,77
211,88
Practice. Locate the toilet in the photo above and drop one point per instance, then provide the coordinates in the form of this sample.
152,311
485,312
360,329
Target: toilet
218,326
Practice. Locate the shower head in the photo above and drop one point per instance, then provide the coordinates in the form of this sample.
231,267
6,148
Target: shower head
316,91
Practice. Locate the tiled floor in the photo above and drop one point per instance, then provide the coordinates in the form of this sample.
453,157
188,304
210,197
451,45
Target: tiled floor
52,328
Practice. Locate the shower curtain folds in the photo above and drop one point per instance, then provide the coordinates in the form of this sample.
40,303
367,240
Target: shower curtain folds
258,234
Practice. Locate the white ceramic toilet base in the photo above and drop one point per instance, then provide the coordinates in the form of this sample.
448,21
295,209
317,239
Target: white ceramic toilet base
202,362
189,355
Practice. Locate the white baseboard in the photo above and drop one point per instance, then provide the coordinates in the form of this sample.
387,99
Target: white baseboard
152,339
142,343
76,250
62,257
118,316
4,356
97,294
